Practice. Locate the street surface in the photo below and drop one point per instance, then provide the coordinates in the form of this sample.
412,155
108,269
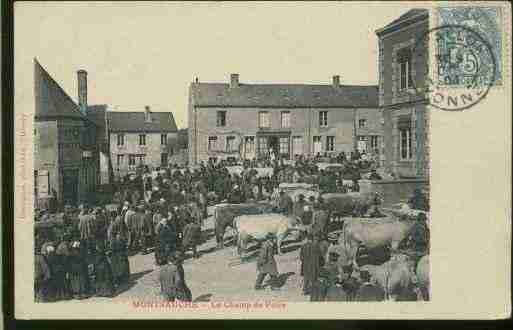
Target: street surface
218,275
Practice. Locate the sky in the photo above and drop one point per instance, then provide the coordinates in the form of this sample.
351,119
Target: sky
139,54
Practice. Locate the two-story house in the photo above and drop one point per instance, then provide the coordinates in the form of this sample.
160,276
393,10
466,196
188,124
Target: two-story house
140,138
248,121
66,153
402,71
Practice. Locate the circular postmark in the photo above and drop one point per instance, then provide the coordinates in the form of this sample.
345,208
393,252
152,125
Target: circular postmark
462,70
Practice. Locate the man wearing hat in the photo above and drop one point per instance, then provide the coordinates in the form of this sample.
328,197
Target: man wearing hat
311,262
266,265
285,203
299,207
147,230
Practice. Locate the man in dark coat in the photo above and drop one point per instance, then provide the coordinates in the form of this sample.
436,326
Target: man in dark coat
42,276
104,279
266,265
285,204
191,237
148,231
369,291
79,273
311,262
101,227
119,260
62,269
166,241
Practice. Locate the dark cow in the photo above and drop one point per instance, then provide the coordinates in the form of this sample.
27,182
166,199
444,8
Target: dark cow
225,213
351,204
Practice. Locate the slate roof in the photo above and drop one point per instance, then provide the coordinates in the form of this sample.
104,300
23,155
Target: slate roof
404,18
134,121
50,99
283,95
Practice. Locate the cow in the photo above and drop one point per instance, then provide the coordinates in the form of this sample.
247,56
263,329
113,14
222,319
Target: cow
351,204
258,226
225,213
374,233
422,272
393,276
403,209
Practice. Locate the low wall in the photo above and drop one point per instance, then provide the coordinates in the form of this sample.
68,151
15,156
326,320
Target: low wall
393,191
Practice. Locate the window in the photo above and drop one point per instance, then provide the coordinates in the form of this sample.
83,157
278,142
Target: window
317,145
212,143
404,63
142,139
163,159
119,161
323,118
230,143
121,139
141,159
262,146
163,139
330,143
131,159
374,142
297,145
264,119
361,123
405,143
249,142
221,118
285,119
284,146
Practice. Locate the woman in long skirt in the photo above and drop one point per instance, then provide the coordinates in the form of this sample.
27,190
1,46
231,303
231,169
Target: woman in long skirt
79,276
104,276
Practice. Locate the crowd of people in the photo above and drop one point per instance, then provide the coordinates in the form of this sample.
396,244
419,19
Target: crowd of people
87,253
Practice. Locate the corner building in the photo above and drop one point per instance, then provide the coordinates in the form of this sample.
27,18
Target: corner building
402,72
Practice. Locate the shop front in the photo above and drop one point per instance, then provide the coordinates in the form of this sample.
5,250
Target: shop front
274,142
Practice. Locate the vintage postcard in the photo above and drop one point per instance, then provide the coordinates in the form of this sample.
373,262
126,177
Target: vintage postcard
285,160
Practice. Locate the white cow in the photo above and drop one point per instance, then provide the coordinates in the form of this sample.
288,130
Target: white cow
258,226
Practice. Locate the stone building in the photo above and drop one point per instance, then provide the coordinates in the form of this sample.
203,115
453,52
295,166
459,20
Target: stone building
140,138
405,114
68,141
246,121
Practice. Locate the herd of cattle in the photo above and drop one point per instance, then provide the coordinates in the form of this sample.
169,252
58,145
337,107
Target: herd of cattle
371,238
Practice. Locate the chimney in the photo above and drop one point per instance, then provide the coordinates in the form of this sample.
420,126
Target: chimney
147,114
336,81
234,80
82,90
